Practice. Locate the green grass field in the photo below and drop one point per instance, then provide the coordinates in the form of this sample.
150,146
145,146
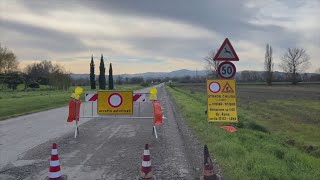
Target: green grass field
278,134
23,102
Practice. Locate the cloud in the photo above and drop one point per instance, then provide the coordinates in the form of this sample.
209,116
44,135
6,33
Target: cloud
31,35
158,35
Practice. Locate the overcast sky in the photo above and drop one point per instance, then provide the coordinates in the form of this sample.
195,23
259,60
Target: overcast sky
152,36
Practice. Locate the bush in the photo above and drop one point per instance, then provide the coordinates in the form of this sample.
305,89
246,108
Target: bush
13,79
34,85
144,84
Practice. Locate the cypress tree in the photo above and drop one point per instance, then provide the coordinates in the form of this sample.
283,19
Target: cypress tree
92,75
110,77
102,76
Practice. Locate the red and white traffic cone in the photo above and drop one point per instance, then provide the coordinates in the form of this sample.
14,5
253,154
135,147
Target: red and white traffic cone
209,171
146,168
55,170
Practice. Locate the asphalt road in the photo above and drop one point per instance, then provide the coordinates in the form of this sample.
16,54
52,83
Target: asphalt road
106,148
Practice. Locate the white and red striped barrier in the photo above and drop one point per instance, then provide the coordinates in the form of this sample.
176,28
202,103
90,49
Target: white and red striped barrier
139,97
93,96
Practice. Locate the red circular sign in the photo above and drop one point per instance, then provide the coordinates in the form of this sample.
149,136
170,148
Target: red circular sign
115,100
226,70
214,87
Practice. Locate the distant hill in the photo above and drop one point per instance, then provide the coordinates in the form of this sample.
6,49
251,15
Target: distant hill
177,73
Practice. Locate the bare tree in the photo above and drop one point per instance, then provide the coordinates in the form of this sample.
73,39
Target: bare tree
8,64
268,65
47,73
212,65
39,72
295,61
8,60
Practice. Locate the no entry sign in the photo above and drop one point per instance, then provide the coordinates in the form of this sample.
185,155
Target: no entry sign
226,70
115,102
214,87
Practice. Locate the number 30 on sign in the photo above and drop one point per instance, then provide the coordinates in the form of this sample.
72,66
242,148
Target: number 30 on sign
226,70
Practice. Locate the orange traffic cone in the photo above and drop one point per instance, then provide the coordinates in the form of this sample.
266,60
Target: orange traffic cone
55,170
209,173
146,168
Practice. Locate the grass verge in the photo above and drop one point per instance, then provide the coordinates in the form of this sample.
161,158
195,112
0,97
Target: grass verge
250,153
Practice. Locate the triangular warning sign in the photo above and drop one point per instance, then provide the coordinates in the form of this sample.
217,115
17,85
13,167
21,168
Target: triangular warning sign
227,89
226,52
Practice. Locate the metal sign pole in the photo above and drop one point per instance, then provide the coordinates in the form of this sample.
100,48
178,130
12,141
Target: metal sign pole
139,109
155,132
91,108
76,131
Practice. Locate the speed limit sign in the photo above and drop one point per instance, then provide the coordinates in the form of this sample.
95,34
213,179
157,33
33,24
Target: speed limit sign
226,70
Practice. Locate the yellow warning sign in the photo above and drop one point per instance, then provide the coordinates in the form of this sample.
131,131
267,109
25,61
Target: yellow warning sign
153,91
222,101
115,102
153,94
153,97
227,88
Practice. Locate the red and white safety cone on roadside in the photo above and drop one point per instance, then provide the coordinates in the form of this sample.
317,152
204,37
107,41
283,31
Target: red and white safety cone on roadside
209,171
146,168
55,170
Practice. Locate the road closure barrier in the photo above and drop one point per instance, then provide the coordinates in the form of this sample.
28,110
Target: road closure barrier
74,110
114,103
157,113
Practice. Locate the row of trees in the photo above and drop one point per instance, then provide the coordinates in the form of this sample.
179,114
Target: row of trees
102,75
259,76
119,80
294,62
34,75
